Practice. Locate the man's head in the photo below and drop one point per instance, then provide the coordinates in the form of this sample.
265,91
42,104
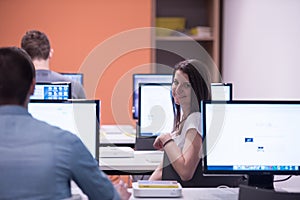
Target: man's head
17,76
36,44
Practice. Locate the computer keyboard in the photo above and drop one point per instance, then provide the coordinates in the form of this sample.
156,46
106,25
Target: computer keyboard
116,152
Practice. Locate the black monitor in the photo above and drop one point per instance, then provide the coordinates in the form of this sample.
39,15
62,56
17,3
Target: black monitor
52,90
221,91
74,76
156,113
80,117
256,138
145,78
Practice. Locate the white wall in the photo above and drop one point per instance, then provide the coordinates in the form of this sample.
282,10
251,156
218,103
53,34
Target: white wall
261,52
261,48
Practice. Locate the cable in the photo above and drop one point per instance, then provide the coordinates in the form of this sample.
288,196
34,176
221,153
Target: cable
285,179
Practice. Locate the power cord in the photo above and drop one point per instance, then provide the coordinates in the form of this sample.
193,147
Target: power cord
285,179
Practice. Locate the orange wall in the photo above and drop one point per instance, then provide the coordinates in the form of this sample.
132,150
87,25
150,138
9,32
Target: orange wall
88,36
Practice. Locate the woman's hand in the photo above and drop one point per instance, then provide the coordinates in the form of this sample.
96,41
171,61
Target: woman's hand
160,141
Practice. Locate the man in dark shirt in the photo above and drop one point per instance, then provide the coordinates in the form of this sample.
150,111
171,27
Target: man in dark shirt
37,45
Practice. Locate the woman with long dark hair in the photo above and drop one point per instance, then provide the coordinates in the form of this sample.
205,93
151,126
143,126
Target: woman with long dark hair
182,148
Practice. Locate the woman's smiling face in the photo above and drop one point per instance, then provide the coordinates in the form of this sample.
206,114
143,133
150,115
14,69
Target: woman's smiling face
181,89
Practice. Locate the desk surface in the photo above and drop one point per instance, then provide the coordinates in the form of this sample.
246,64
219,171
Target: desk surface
193,193
202,194
117,134
143,161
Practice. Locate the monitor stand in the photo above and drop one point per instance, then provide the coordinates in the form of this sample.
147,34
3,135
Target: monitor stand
144,143
261,181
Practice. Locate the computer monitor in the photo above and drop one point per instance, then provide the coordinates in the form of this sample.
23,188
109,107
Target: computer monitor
256,138
156,113
155,109
145,78
74,76
80,117
53,90
221,91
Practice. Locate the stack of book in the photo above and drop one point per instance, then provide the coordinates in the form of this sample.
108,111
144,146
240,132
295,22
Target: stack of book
157,184
201,31
145,188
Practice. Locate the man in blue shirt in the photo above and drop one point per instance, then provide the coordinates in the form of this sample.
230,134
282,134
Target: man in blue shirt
37,160
37,45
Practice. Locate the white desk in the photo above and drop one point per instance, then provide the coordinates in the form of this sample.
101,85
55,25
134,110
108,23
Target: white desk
202,194
187,194
143,161
117,134
191,193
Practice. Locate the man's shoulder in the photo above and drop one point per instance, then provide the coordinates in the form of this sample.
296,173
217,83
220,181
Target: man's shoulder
59,77
78,90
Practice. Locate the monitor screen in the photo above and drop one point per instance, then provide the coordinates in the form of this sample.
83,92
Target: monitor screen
80,117
54,90
221,91
74,76
256,138
146,78
155,109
